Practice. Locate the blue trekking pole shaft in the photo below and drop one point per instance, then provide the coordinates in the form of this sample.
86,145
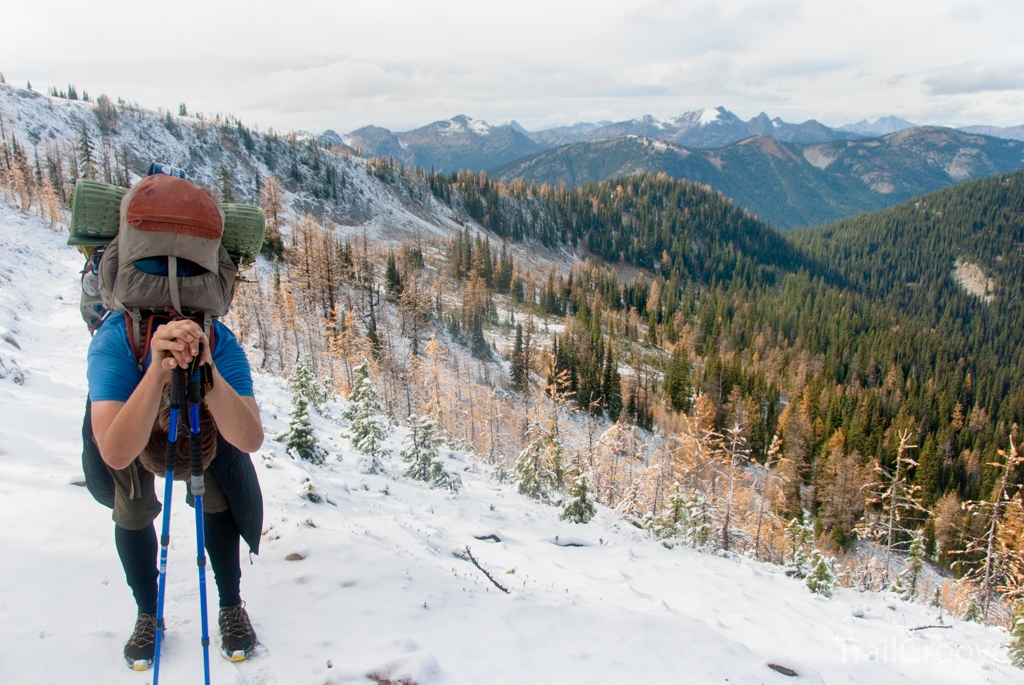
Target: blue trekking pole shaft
195,441
177,377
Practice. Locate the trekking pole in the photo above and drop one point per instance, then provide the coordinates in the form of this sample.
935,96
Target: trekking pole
195,442
177,377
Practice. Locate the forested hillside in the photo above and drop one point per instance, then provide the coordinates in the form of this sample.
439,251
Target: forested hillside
837,340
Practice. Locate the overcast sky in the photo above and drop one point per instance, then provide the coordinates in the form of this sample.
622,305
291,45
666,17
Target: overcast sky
317,64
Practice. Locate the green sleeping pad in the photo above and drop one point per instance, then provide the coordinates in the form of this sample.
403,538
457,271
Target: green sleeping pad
96,212
244,227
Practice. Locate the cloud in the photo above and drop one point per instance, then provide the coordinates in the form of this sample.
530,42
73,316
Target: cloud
968,78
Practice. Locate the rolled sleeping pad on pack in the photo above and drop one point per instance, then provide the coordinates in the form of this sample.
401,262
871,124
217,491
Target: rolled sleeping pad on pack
95,213
244,229
96,217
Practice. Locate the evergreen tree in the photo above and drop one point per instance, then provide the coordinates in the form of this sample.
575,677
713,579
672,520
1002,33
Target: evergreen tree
477,342
911,576
301,440
532,476
304,383
612,385
1016,646
421,453
226,185
439,478
798,537
366,420
671,524
973,610
580,506
392,279
518,375
678,389
698,529
87,167
821,579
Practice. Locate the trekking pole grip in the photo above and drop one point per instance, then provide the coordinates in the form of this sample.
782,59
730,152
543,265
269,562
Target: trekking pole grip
174,402
195,439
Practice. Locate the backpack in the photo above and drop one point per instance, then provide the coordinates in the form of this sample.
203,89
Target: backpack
160,251
172,219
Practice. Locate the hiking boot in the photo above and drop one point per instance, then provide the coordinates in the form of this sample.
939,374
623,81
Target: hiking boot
237,637
139,650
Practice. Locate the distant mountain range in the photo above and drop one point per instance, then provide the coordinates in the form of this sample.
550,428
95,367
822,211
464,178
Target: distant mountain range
789,174
1011,132
465,143
787,183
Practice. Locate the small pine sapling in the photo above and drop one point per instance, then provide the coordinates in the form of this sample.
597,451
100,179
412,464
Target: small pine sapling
441,479
911,576
301,440
798,537
422,444
973,610
937,601
531,473
422,455
669,526
821,579
699,529
366,421
500,472
304,383
580,506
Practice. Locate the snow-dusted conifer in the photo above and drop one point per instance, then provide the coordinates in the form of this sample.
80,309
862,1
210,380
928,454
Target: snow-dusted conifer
915,564
670,525
422,443
441,479
973,610
531,474
580,506
1016,645
304,383
798,538
301,441
688,520
421,453
366,420
821,579
699,526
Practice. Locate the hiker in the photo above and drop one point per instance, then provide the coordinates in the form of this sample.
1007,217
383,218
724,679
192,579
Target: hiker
169,241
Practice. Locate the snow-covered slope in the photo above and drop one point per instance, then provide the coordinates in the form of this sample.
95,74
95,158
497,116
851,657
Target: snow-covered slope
379,589
343,187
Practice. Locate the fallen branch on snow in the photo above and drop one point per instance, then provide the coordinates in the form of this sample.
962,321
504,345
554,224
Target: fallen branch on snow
484,571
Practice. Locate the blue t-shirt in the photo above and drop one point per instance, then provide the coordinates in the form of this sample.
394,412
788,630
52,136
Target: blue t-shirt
114,375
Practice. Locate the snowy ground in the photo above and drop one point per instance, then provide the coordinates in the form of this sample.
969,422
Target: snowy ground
379,590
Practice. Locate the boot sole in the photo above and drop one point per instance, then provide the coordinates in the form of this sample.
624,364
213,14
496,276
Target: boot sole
238,655
139,664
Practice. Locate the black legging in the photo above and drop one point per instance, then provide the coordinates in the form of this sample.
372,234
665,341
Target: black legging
138,552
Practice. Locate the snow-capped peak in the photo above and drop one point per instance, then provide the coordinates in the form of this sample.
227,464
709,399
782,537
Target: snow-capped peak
710,115
460,123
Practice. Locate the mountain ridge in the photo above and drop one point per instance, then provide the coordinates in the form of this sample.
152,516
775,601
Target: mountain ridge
788,184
